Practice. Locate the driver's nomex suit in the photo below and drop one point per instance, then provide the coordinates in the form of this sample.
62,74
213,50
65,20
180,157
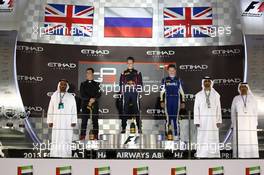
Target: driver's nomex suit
172,95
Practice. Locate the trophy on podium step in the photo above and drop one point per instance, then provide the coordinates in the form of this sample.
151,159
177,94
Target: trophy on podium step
132,139
133,127
169,143
170,133
91,135
92,141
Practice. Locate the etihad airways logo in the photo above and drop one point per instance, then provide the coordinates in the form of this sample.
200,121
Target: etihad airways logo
29,49
64,66
227,81
29,78
95,52
33,108
193,67
160,53
225,52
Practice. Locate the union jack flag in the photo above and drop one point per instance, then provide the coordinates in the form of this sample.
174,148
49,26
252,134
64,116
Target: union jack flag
69,20
185,22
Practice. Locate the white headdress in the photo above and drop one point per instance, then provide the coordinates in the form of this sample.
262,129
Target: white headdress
212,84
244,84
207,78
58,87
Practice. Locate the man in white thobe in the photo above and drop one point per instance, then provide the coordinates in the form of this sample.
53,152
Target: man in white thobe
207,118
1,150
62,118
244,115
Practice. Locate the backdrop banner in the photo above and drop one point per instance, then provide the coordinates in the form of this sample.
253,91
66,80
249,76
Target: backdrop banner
40,66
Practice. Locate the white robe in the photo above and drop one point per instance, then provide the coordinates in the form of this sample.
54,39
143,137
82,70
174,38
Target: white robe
62,131
247,127
207,118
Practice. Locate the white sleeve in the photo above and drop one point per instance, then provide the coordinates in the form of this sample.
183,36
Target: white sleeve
50,114
219,111
73,111
196,110
233,113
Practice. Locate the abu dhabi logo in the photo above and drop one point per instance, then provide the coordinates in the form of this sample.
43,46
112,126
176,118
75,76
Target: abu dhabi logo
95,52
29,49
62,66
193,68
160,53
227,81
29,79
226,52
254,9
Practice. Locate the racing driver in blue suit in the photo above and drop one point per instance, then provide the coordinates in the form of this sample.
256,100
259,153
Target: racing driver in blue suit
172,99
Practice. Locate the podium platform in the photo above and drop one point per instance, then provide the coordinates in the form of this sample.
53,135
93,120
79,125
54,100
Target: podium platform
131,141
135,141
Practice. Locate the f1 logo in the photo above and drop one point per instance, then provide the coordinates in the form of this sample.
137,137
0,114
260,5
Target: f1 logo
252,5
6,4
131,140
261,7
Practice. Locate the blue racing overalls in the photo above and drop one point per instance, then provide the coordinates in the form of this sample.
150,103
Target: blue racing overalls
172,94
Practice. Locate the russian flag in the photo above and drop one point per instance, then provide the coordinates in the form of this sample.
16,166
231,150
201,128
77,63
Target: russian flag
128,22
